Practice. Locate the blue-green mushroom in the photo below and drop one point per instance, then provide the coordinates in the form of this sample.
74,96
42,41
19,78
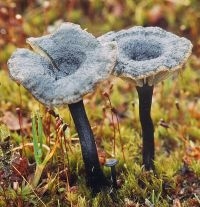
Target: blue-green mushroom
61,69
148,55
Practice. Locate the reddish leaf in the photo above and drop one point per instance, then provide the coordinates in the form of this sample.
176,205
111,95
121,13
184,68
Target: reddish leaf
12,121
20,166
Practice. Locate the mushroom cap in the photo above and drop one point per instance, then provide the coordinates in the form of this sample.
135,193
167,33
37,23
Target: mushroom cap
148,54
111,162
64,65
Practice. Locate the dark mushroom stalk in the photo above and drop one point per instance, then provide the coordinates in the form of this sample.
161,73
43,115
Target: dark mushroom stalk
145,99
94,175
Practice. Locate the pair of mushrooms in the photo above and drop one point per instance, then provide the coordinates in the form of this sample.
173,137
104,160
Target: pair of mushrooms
69,63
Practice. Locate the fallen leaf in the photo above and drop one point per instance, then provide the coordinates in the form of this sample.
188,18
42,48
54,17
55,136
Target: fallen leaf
12,121
19,165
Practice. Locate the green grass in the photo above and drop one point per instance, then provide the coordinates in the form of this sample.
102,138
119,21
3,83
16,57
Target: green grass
61,177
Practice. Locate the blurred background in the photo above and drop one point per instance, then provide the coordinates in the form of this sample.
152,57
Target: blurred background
23,18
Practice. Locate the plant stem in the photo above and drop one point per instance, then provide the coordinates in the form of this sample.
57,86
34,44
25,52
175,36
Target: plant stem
145,99
37,175
94,175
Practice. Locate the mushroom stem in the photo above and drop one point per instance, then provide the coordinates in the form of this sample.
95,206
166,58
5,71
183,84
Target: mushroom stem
145,99
114,176
94,174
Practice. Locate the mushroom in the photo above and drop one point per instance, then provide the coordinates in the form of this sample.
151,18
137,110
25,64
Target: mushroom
63,67
112,162
148,55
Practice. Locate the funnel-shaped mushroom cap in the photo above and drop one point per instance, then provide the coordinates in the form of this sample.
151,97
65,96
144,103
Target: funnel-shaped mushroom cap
111,162
64,65
148,54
